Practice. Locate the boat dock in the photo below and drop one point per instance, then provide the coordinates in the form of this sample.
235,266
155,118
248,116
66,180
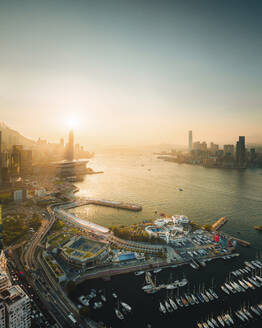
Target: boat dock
219,223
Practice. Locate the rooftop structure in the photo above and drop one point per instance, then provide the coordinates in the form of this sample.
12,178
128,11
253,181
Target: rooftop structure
82,251
73,219
17,307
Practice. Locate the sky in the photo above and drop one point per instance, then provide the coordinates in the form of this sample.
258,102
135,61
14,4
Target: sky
132,72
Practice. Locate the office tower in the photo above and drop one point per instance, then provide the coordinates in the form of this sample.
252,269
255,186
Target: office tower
17,307
241,151
70,146
228,150
190,140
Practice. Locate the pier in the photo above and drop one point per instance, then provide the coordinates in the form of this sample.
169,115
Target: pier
219,223
241,242
109,203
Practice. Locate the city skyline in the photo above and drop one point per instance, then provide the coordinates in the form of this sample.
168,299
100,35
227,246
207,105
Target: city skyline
125,71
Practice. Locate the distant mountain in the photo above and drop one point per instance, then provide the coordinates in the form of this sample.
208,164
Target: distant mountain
12,137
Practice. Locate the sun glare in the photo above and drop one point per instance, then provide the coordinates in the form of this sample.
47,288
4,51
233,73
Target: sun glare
72,122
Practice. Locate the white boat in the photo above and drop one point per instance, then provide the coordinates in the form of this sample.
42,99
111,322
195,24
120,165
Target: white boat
103,298
147,287
119,314
97,305
183,282
138,273
157,270
162,308
168,307
126,306
221,321
173,304
114,295
83,300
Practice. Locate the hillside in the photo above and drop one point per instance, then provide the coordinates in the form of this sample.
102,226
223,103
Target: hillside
12,137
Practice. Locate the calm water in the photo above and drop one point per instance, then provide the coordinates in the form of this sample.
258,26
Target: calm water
207,195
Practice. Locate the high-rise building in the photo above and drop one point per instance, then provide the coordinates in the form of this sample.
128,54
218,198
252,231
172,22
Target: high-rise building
70,146
241,151
228,150
213,147
17,307
190,140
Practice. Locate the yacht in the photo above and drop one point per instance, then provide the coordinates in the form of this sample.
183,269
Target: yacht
138,273
162,308
126,306
119,314
173,304
168,307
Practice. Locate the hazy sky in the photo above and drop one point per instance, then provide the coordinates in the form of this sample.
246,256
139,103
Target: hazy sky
132,71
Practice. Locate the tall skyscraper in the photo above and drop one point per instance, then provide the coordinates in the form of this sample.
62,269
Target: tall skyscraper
70,146
190,140
241,151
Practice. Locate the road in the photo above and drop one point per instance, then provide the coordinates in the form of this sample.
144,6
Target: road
57,302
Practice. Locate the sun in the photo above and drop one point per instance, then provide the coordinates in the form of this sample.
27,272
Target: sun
72,123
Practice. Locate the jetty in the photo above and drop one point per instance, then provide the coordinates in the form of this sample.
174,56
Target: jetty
242,242
219,223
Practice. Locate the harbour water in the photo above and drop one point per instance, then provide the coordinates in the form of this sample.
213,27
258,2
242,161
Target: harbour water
207,194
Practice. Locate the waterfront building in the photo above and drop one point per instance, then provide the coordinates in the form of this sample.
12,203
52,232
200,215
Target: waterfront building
17,307
213,148
228,150
190,141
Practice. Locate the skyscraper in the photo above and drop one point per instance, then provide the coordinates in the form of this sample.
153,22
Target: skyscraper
190,140
241,152
70,146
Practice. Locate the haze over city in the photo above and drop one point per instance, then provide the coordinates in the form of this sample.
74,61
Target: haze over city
132,72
